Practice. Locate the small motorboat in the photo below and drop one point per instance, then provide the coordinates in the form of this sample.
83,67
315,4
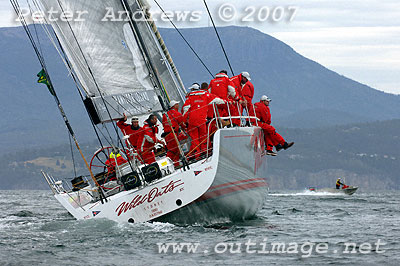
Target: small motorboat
348,190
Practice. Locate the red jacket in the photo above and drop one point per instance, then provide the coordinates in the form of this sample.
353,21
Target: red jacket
263,113
222,87
128,130
248,92
236,81
111,162
176,119
125,128
196,106
147,139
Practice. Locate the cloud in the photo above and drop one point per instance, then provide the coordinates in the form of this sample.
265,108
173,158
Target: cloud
6,13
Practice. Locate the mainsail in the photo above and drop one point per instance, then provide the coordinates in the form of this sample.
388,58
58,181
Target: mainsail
117,58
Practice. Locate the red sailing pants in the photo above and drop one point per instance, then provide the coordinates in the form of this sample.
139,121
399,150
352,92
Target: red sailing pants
198,135
271,137
147,156
172,147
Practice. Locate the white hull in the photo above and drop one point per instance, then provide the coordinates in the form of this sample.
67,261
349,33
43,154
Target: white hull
228,185
239,189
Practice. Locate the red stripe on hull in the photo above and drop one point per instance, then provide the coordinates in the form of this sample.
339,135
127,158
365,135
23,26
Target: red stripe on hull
224,191
236,182
241,136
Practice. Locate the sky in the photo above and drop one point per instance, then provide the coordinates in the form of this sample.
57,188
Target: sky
359,39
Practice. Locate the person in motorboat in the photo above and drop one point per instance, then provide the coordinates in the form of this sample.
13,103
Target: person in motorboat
339,183
271,137
174,124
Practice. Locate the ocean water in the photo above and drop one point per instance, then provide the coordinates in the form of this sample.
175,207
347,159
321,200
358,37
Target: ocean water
293,228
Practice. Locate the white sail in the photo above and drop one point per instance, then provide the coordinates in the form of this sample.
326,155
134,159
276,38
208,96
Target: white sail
105,51
166,73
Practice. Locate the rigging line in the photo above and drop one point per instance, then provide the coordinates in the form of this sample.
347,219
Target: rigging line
15,4
36,33
61,53
49,36
92,74
28,32
77,83
80,62
112,143
219,38
115,109
41,60
17,10
65,59
72,154
183,37
70,69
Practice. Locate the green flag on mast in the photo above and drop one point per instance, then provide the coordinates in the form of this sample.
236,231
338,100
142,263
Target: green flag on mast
43,79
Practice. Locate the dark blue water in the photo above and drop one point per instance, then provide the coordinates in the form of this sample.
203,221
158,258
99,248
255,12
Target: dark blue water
36,230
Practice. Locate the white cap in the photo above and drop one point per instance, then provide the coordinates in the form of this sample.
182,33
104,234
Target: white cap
265,98
246,75
173,103
195,87
135,118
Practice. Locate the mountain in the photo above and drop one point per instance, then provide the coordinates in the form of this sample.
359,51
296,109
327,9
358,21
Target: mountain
365,155
294,83
313,118
304,93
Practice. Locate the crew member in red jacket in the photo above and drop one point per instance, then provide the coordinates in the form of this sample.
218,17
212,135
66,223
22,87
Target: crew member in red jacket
271,137
245,88
174,133
115,159
147,139
195,111
237,84
131,131
223,88
235,102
